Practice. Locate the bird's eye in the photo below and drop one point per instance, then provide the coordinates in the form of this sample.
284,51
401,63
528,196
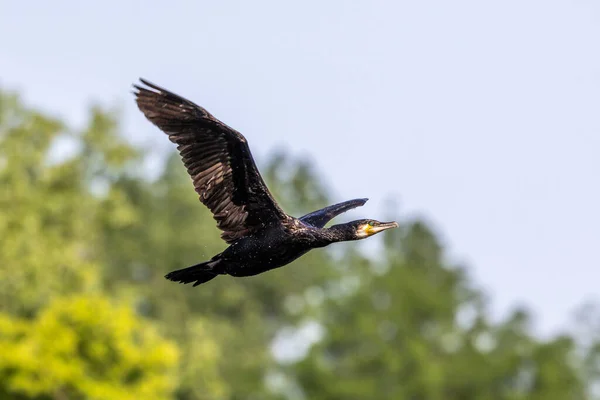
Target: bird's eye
370,223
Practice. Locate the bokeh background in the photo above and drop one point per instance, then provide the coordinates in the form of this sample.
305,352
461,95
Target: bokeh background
474,124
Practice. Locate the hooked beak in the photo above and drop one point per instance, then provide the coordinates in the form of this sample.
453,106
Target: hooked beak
382,227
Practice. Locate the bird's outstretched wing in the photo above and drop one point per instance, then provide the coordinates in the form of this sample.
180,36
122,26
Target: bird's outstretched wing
217,158
321,217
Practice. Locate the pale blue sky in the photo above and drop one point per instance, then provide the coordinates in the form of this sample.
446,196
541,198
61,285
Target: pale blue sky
482,116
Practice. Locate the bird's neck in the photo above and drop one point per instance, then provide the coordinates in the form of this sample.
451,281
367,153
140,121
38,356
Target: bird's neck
335,233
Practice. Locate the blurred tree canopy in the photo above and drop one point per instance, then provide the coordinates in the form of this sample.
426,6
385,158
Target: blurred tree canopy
85,312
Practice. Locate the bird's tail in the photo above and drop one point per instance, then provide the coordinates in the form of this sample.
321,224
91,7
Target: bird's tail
199,273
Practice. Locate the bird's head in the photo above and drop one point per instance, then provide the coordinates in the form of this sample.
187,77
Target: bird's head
368,227
363,228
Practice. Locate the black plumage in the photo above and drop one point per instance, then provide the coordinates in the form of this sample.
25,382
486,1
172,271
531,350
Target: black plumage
225,176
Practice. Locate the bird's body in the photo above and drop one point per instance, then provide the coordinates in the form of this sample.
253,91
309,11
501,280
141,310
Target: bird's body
271,248
261,236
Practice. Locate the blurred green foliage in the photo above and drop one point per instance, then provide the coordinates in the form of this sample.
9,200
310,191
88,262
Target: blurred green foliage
85,347
85,313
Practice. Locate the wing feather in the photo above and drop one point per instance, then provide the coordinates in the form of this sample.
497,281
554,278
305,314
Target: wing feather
217,159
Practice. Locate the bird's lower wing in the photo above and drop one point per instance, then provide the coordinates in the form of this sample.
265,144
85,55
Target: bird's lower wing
321,217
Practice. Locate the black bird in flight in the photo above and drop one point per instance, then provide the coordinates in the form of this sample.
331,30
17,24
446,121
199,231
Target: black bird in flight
260,235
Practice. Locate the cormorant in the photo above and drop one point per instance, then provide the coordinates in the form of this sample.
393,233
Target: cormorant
260,235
